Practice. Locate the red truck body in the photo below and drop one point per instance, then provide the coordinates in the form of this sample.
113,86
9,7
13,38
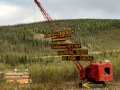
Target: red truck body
97,71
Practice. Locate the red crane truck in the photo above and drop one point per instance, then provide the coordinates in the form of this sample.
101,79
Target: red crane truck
96,73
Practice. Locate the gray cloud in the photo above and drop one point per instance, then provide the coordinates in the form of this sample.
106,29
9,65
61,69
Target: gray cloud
13,14
84,8
21,11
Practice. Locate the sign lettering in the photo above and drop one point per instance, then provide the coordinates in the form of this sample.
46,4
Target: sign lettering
60,33
65,46
77,58
74,52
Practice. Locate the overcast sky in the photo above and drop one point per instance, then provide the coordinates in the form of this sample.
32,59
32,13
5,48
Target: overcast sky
25,11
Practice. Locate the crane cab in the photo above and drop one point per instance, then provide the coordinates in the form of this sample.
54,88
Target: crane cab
98,71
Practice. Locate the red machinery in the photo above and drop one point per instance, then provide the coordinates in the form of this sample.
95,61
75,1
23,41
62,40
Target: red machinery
96,72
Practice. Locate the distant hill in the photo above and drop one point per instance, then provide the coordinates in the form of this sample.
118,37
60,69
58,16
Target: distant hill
95,34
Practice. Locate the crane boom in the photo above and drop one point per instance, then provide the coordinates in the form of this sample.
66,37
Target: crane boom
79,66
54,28
49,20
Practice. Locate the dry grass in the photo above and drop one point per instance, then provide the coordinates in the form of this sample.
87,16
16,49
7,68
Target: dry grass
72,85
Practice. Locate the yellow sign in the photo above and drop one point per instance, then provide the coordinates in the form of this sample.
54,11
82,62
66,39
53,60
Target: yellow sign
58,39
65,46
92,85
60,33
74,52
77,58
86,85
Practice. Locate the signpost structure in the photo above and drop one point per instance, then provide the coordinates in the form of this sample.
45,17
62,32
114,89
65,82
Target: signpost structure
72,55
70,52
